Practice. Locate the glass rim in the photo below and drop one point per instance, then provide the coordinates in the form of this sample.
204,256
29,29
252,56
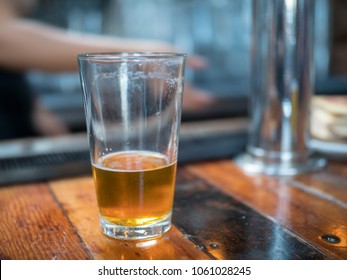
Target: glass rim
121,56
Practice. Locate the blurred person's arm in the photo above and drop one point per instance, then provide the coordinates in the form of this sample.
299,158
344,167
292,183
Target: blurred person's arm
46,123
26,44
30,45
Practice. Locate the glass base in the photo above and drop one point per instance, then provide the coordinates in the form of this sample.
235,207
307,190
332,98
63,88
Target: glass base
149,231
252,164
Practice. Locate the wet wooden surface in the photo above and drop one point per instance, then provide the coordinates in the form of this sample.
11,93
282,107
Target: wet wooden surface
219,213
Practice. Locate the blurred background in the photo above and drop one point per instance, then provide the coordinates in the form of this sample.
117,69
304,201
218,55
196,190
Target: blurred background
218,30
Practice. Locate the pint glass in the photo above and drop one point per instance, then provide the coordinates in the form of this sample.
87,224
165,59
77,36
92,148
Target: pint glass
132,105
281,89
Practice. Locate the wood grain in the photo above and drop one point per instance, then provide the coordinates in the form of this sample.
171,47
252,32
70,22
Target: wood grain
330,183
219,213
303,213
34,227
227,229
78,199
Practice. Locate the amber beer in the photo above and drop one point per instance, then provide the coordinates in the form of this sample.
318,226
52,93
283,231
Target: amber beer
134,188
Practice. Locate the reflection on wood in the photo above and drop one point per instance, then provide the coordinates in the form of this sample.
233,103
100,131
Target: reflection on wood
242,233
78,199
330,183
219,213
306,215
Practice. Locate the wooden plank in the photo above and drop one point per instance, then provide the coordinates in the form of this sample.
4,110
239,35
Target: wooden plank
34,227
330,183
77,197
227,229
314,219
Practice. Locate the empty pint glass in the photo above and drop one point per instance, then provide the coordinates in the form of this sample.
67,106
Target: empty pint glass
133,109
281,89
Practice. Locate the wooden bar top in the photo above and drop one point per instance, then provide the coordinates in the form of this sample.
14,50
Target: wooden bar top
219,213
